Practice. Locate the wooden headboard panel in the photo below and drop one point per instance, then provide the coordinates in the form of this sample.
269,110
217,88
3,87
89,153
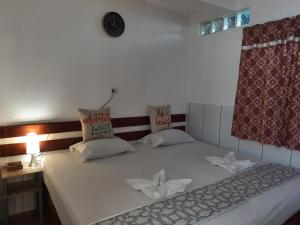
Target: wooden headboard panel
64,134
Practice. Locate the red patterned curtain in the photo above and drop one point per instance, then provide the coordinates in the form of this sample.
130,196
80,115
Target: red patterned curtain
267,106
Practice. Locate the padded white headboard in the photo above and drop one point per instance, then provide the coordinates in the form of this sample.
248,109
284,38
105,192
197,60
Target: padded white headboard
212,124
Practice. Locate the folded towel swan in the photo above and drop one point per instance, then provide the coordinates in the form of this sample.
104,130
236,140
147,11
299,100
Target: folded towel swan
159,187
230,163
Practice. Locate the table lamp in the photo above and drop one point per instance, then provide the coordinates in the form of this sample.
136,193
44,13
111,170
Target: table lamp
33,148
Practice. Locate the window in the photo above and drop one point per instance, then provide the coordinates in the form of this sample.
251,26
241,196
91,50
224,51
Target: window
243,18
231,21
236,19
206,28
218,25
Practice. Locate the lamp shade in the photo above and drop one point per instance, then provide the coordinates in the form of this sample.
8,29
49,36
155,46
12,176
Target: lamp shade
32,144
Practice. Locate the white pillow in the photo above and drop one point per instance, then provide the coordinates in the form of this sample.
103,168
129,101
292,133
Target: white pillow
101,148
167,137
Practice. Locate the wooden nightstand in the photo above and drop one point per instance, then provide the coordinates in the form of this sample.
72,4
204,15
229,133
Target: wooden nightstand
8,189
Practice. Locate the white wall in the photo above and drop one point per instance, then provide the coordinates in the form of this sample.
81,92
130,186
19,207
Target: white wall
53,59
213,60
229,4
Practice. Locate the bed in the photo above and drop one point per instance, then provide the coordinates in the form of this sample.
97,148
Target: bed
85,193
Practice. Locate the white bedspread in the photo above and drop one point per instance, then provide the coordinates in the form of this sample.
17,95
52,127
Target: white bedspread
84,193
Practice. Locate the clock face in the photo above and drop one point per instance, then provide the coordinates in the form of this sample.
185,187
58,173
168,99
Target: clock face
113,24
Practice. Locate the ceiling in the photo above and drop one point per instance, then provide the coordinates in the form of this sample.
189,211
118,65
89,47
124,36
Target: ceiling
202,8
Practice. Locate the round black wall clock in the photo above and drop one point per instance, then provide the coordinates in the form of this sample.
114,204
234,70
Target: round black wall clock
113,24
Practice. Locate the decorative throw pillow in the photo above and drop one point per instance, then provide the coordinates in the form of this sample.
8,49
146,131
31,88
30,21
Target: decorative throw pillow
160,118
95,124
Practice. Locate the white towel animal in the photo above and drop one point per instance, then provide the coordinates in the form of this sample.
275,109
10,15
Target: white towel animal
230,163
159,187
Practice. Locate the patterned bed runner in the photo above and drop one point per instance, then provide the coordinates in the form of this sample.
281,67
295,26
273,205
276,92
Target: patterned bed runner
206,202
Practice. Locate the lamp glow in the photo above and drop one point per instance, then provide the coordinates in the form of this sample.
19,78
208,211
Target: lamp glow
33,148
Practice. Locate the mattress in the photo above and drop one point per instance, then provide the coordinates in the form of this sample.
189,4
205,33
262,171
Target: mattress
84,193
